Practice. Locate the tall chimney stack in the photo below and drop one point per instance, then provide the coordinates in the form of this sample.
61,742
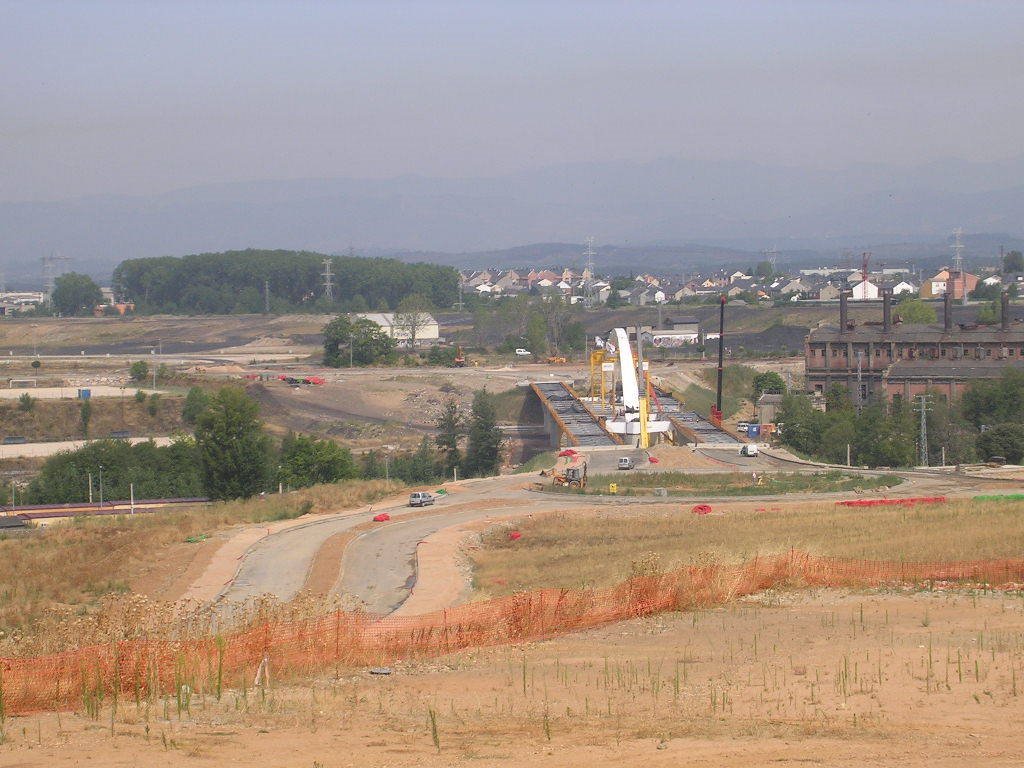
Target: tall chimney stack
887,310
1004,314
947,311
843,310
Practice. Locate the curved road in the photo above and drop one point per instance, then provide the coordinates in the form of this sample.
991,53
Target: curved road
379,564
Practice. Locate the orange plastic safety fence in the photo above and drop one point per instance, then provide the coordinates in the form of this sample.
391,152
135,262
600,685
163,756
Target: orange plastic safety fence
138,668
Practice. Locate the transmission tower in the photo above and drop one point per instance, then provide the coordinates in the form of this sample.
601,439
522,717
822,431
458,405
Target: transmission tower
328,280
589,298
50,273
958,261
922,401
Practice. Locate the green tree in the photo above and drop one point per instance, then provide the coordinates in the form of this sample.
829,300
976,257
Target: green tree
837,398
154,404
995,401
885,441
1013,261
75,294
802,424
764,269
536,334
196,401
337,335
769,381
411,315
947,429
139,371
26,402
914,311
483,451
307,461
989,314
84,417
1005,440
450,428
154,471
574,338
371,343
233,451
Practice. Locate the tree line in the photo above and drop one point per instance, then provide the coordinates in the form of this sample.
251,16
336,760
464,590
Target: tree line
246,281
231,456
987,421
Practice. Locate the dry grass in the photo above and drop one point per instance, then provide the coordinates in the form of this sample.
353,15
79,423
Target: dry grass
51,575
847,680
733,483
60,419
566,551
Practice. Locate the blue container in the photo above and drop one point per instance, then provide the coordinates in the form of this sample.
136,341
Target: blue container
753,430
84,394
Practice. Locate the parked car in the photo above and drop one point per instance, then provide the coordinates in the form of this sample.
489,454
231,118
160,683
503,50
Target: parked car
420,499
523,352
626,463
742,426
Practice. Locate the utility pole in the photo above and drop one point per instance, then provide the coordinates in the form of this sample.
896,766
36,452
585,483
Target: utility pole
589,298
923,438
721,353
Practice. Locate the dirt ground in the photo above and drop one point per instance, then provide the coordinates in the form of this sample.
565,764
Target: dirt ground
924,679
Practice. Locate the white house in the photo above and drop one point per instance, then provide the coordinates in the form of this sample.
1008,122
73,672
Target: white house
865,289
904,286
427,328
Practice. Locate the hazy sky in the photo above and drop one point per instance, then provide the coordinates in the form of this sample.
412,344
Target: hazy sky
140,97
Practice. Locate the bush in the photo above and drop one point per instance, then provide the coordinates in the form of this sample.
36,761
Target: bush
139,370
154,404
1005,440
26,402
140,396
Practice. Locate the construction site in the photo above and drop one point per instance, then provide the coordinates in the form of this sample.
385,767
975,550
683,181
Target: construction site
636,582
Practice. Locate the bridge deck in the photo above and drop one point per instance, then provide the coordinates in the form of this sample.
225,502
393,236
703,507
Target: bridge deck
578,422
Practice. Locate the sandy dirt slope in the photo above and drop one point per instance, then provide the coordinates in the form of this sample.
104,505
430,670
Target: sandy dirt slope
782,679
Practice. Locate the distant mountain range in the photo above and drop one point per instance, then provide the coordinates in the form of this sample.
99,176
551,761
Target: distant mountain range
655,212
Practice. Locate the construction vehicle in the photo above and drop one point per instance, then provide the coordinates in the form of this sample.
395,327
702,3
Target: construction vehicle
571,477
460,358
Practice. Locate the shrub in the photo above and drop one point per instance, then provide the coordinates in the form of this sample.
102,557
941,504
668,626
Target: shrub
26,402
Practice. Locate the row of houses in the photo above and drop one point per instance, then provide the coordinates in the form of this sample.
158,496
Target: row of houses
816,284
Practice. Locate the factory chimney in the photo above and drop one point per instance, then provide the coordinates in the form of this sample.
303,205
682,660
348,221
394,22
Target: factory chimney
1004,307
886,310
844,323
947,311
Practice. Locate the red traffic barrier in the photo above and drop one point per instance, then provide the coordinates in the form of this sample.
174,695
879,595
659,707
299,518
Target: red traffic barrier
908,502
702,509
381,517
653,459
567,452
514,535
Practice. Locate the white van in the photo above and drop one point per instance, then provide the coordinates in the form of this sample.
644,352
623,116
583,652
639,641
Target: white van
750,449
523,352
420,499
625,463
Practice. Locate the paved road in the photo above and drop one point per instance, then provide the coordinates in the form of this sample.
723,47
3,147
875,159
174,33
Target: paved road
379,566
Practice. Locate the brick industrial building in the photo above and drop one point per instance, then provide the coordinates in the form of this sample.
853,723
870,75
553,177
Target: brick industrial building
901,360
